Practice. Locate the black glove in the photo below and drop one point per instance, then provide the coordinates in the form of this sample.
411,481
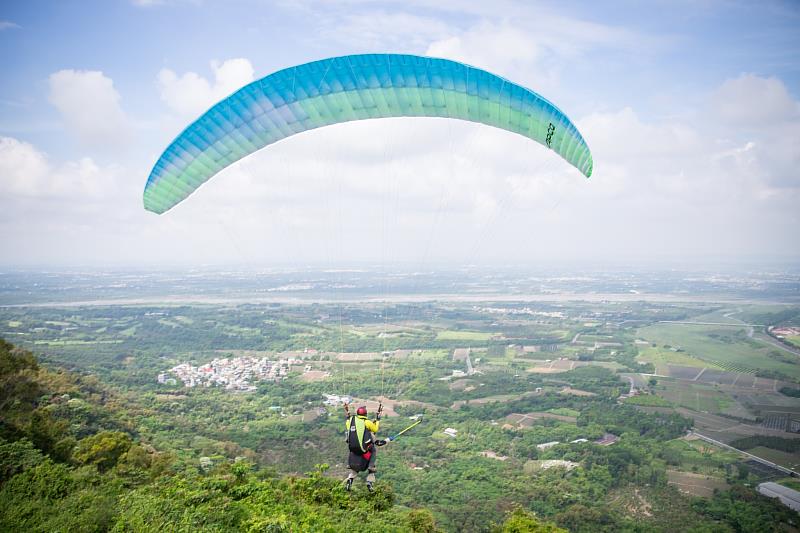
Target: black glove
381,442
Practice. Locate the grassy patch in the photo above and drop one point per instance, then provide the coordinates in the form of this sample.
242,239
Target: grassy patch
699,457
701,485
727,347
790,482
565,411
694,396
453,335
663,356
788,460
129,332
648,400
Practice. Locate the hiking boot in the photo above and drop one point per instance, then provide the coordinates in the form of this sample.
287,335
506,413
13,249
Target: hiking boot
370,487
348,484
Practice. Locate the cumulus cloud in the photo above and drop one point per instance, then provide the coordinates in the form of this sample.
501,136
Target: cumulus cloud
533,47
71,212
26,173
192,94
662,187
23,169
762,112
750,100
501,48
90,107
716,177
690,186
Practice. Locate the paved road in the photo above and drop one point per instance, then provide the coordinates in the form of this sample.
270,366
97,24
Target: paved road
769,340
470,370
633,386
741,324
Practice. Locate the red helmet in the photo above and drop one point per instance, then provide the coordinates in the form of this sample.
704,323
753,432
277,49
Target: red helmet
361,411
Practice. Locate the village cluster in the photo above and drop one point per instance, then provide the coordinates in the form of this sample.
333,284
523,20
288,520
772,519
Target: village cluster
237,373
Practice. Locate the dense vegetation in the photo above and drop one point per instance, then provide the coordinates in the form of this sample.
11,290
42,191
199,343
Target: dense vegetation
52,480
103,446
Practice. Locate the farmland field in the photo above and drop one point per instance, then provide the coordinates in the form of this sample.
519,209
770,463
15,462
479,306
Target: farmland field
726,315
696,484
695,396
788,460
727,347
452,335
563,392
662,356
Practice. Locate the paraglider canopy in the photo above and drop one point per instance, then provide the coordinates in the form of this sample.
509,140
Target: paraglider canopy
356,87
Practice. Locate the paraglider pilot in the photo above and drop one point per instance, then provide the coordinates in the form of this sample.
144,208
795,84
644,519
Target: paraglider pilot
362,443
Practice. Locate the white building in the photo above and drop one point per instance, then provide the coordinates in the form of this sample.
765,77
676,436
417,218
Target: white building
546,445
450,432
788,497
336,400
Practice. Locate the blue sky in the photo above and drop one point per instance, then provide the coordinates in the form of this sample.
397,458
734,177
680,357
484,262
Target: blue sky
691,110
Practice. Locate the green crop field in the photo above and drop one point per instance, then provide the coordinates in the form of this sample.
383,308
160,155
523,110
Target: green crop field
790,482
452,335
700,457
648,401
788,460
565,411
661,356
693,396
727,315
727,347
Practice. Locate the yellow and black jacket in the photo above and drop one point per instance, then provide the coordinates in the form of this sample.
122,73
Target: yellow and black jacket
360,433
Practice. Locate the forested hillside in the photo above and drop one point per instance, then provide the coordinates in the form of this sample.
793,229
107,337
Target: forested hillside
71,460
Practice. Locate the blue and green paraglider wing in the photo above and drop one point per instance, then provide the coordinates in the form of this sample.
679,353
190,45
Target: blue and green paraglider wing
348,88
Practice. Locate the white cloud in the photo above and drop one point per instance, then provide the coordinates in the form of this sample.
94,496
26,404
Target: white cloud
74,212
502,48
721,177
8,25
23,169
26,174
390,30
535,48
192,94
90,107
752,101
688,187
761,110
662,188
